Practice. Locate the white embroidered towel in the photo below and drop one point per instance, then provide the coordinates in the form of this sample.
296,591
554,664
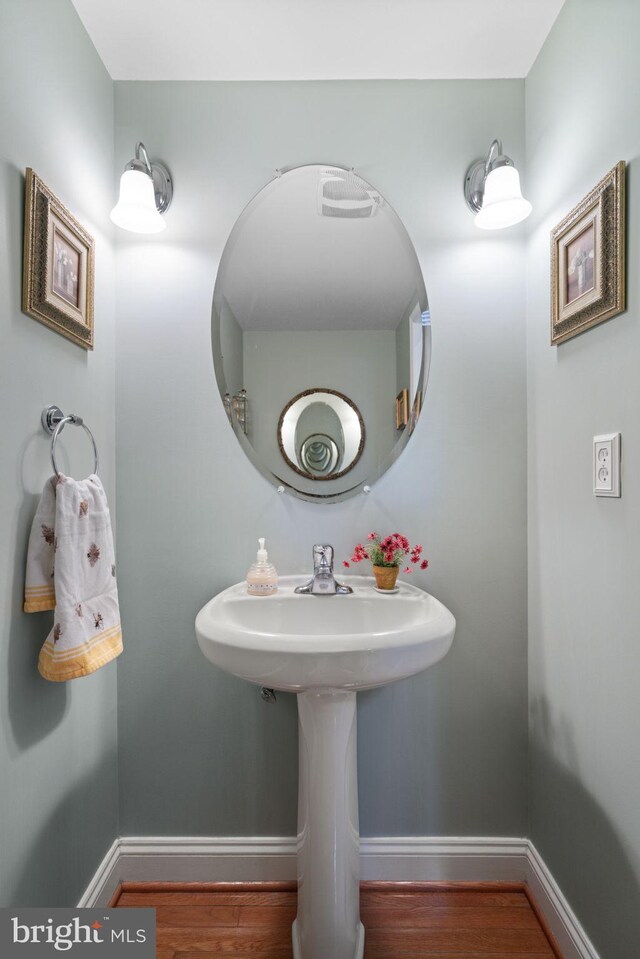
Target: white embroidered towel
71,569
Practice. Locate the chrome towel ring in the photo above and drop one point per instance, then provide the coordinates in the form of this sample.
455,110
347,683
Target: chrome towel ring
54,421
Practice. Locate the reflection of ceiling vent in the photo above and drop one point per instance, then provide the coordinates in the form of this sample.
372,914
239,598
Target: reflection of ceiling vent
342,193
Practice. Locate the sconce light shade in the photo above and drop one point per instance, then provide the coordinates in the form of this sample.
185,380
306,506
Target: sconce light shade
145,193
136,207
492,191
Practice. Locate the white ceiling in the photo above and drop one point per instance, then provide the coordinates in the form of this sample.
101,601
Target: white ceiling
317,39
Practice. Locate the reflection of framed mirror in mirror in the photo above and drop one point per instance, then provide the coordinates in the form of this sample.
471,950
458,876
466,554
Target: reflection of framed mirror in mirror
321,434
319,283
319,455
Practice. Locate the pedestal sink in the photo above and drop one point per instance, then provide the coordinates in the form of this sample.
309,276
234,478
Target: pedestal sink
325,648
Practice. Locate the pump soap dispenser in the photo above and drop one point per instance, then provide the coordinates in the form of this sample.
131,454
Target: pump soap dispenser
262,578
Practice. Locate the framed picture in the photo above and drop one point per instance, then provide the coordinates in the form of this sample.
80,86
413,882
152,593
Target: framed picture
402,409
58,265
588,260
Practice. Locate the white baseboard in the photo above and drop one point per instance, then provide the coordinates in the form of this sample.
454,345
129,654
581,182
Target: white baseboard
411,859
562,921
106,879
419,859
196,859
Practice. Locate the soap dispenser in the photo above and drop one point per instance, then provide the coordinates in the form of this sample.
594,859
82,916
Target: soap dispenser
262,578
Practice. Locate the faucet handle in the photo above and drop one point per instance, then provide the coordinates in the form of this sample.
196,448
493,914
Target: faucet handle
322,555
322,582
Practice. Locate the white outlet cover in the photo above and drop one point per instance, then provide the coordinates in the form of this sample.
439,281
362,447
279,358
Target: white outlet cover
606,465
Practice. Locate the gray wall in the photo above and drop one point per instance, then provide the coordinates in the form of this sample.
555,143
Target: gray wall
583,109
199,752
58,768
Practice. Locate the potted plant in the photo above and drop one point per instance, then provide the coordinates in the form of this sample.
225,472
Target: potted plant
387,555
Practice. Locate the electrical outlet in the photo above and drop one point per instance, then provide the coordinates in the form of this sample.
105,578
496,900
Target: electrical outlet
606,465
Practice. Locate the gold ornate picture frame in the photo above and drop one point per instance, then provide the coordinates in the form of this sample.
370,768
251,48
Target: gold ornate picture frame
588,260
402,409
58,266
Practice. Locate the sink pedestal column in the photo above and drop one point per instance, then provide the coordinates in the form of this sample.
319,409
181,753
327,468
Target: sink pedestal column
328,924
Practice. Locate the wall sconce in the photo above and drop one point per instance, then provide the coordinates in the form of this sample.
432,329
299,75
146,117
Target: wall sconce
237,405
492,191
146,191
240,407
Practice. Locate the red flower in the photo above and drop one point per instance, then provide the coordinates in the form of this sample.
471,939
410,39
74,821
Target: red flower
393,549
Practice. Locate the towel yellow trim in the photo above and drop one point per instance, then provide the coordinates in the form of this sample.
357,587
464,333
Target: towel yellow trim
39,598
82,649
82,665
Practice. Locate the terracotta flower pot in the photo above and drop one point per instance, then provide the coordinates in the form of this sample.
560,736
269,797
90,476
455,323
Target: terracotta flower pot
386,576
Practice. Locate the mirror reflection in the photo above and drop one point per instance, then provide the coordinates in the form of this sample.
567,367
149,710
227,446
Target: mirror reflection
319,283
321,434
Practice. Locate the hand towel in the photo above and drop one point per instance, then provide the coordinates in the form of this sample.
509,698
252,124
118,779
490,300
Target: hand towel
71,569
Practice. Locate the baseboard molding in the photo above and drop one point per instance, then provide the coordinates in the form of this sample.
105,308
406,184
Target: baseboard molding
562,921
419,859
106,878
195,859
411,859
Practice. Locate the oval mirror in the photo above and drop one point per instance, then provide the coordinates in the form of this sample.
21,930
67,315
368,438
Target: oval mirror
319,283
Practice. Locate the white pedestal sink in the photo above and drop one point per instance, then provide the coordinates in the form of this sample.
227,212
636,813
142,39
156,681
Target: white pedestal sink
325,648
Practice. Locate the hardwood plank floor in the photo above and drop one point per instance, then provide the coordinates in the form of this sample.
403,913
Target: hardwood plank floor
402,920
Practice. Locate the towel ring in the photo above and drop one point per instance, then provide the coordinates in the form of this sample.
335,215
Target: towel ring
54,421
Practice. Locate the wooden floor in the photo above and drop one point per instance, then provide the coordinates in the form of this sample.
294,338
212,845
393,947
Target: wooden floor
402,920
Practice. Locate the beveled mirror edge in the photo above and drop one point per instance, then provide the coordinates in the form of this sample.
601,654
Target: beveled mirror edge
280,482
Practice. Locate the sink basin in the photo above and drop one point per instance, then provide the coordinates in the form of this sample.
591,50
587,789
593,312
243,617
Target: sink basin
295,642
325,649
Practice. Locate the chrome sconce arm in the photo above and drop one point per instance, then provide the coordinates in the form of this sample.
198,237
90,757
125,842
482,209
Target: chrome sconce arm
162,183
478,172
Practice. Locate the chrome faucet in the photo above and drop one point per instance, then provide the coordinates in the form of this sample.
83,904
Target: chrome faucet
323,583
